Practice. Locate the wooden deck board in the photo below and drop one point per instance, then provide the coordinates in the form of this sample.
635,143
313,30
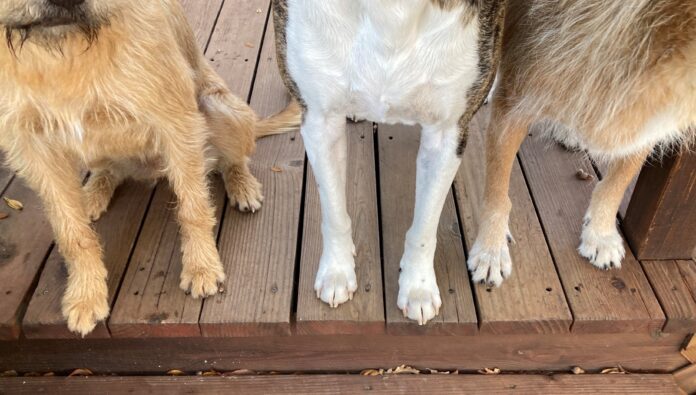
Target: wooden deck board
601,301
674,295
398,147
532,299
259,250
150,302
365,313
351,384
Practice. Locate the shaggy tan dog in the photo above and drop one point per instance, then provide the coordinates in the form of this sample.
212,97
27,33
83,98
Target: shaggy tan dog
120,87
614,78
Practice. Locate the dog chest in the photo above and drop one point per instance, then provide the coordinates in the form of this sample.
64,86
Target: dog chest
387,61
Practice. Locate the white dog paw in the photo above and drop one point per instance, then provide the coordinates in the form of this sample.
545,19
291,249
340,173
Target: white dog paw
419,295
604,250
336,282
490,262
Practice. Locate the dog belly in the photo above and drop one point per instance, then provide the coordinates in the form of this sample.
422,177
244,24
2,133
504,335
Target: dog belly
383,71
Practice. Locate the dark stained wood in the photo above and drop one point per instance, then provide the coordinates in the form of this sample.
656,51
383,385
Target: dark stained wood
686,379
351,384
532,299
150,302
674,295
117,229
688,272
398,147
259,250
660,222
337,353
365,313
601,301
25,239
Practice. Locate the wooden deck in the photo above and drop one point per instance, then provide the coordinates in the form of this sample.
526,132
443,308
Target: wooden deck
555,311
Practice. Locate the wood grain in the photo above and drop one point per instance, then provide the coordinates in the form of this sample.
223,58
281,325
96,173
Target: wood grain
25,239
398,147
365,313
674,295
259,251
352,384
532,299
660,222
338,353
118,230
150,302
601,301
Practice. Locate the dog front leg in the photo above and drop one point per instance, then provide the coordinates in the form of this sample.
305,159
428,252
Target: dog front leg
437,164
184,155
56,179
326,144
601,242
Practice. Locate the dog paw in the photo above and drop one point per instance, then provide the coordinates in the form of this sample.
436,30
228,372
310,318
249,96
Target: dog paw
604,250
202,280
490,264
419,295
336,282
244,193
97,192
84,307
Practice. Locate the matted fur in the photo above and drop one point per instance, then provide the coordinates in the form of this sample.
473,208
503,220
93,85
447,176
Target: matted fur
133,97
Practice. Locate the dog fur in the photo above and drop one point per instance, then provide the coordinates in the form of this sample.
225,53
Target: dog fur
616,79
120,87
413,61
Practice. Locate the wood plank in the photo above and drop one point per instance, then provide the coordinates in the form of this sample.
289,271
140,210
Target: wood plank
365,313
686,379
554,352
674,295
660,222
534,279
688,272
150,302
601,301
118,229
351,384
398,148
259,251
25,239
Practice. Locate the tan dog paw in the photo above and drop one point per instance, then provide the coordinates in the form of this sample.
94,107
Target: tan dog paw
202,280
85,304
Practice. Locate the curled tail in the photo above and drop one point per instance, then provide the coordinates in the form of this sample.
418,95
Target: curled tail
285,121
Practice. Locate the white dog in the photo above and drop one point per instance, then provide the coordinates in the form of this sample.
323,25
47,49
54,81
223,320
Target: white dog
429,62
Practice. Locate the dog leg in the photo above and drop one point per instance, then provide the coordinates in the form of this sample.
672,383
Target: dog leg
184,156
99,189
489,258
437,164
232,125
601,242
57,181
326,143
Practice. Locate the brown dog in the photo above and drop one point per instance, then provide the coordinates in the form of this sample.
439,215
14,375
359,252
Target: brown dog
614,78
121,87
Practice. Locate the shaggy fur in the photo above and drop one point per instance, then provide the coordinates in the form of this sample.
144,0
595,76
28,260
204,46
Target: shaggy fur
614,78
120,87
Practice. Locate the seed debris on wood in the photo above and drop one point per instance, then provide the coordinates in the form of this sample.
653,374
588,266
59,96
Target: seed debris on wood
489,371
80,373
175,372
581,174
13,204
276,169
578,370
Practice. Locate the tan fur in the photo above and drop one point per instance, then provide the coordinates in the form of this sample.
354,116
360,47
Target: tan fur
140,101
597,73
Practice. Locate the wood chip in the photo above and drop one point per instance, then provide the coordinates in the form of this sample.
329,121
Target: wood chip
616,370
3,215
581,174
372,372
258,11
13,204
9,373
240,372
249,45
211,373
49,374
403,369
578,370
276,169
489,371
81,372
175,372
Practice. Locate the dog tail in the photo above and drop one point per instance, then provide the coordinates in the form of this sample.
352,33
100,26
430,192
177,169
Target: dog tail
285,121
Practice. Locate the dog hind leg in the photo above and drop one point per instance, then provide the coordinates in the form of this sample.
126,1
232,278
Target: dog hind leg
327,149
601,242
99,189
489,258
